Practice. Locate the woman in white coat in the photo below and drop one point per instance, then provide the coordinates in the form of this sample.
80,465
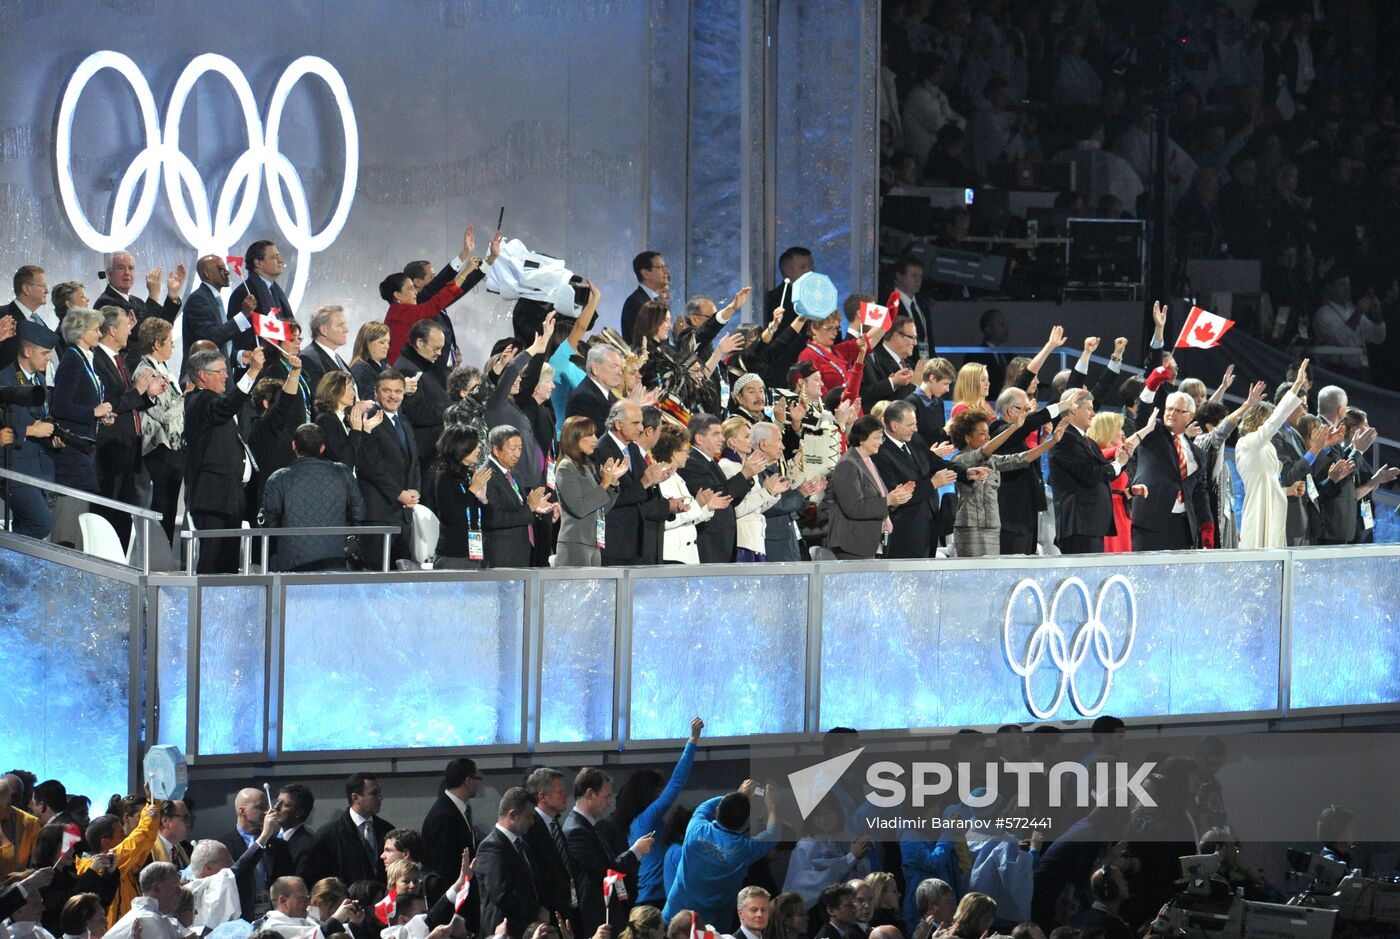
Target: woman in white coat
751,523
678,540
1264,522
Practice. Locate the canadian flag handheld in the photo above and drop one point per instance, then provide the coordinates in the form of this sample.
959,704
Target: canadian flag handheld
71,836
384,909
701,932
875,316
270,326
1202,330
235,261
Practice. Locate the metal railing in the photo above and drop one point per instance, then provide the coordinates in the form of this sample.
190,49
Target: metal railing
144,517
246,535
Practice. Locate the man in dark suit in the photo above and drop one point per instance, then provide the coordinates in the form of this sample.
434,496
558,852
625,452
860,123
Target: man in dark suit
265,265
1109,889
838,903
909,281
277,413
328,333
255,826
994,333
218,463
653,277
889,370
716,539
448,831
388,470
639,497
424,408
506,877
1080,477
592,398
121,277
554,866
1021,497
293,807
348,847
1174,514
595,848
901,460
508,520
205,317
119,443
31,291
32,450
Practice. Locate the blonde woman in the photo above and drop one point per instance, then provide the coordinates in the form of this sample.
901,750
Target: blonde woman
971,390
1264,521
1106,430
370,357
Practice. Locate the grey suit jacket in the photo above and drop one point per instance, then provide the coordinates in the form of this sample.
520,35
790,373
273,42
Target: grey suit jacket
858,511
581,498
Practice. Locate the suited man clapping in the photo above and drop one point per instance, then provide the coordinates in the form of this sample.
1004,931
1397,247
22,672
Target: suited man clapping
595,847
505,868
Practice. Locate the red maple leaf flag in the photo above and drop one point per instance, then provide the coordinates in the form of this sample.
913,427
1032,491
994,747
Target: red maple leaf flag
875,316
71,836
1202,330
463,894
614,882
698,931
270,326
384,909
235,261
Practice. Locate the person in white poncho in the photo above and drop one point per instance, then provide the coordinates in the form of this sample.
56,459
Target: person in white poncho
151,914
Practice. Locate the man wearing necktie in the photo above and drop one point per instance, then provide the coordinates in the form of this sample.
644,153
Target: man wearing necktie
328,333
31,292
557,876
448,830
506,871
120,474
915,533
389,472
1175,513
264,265
32,450
205,317
508,519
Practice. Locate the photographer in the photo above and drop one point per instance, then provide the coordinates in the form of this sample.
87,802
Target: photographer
28,431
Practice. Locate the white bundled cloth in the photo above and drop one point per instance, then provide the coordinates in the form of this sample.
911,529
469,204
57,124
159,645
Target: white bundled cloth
291,927
27,930
154,923
519,272
215,899
416,928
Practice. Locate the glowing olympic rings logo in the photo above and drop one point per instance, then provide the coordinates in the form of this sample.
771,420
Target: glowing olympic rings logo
209,230
1068,654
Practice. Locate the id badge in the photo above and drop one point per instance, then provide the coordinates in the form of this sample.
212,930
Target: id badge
549,472
1368,516
1311,487
602,532
475,549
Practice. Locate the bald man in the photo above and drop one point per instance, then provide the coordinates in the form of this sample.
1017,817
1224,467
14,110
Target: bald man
251,810
121,278
205,316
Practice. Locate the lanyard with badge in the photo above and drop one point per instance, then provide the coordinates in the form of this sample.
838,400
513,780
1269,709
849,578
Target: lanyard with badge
476,549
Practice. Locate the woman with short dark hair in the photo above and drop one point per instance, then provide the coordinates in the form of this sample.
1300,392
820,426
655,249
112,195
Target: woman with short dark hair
459,493
586,492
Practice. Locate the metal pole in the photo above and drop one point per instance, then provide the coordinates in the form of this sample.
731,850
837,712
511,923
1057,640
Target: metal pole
388,541
245,552
189,555
146,545
266,555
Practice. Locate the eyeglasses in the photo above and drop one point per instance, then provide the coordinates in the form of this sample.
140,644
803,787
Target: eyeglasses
1178,411
914,336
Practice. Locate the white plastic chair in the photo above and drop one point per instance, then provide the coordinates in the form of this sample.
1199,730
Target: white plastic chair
100,538
424,531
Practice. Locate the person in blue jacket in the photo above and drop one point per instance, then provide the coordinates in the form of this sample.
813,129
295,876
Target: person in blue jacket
716,854
946,859
642,803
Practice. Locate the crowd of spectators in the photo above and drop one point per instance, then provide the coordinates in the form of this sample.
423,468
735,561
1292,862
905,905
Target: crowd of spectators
677,442
557,859
1283,142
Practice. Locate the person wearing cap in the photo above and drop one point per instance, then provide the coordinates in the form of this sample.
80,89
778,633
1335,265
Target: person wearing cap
31,452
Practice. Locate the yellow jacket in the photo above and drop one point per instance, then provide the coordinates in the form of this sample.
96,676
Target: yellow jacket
132,854
15,855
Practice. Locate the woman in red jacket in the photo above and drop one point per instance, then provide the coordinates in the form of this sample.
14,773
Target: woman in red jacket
402,296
